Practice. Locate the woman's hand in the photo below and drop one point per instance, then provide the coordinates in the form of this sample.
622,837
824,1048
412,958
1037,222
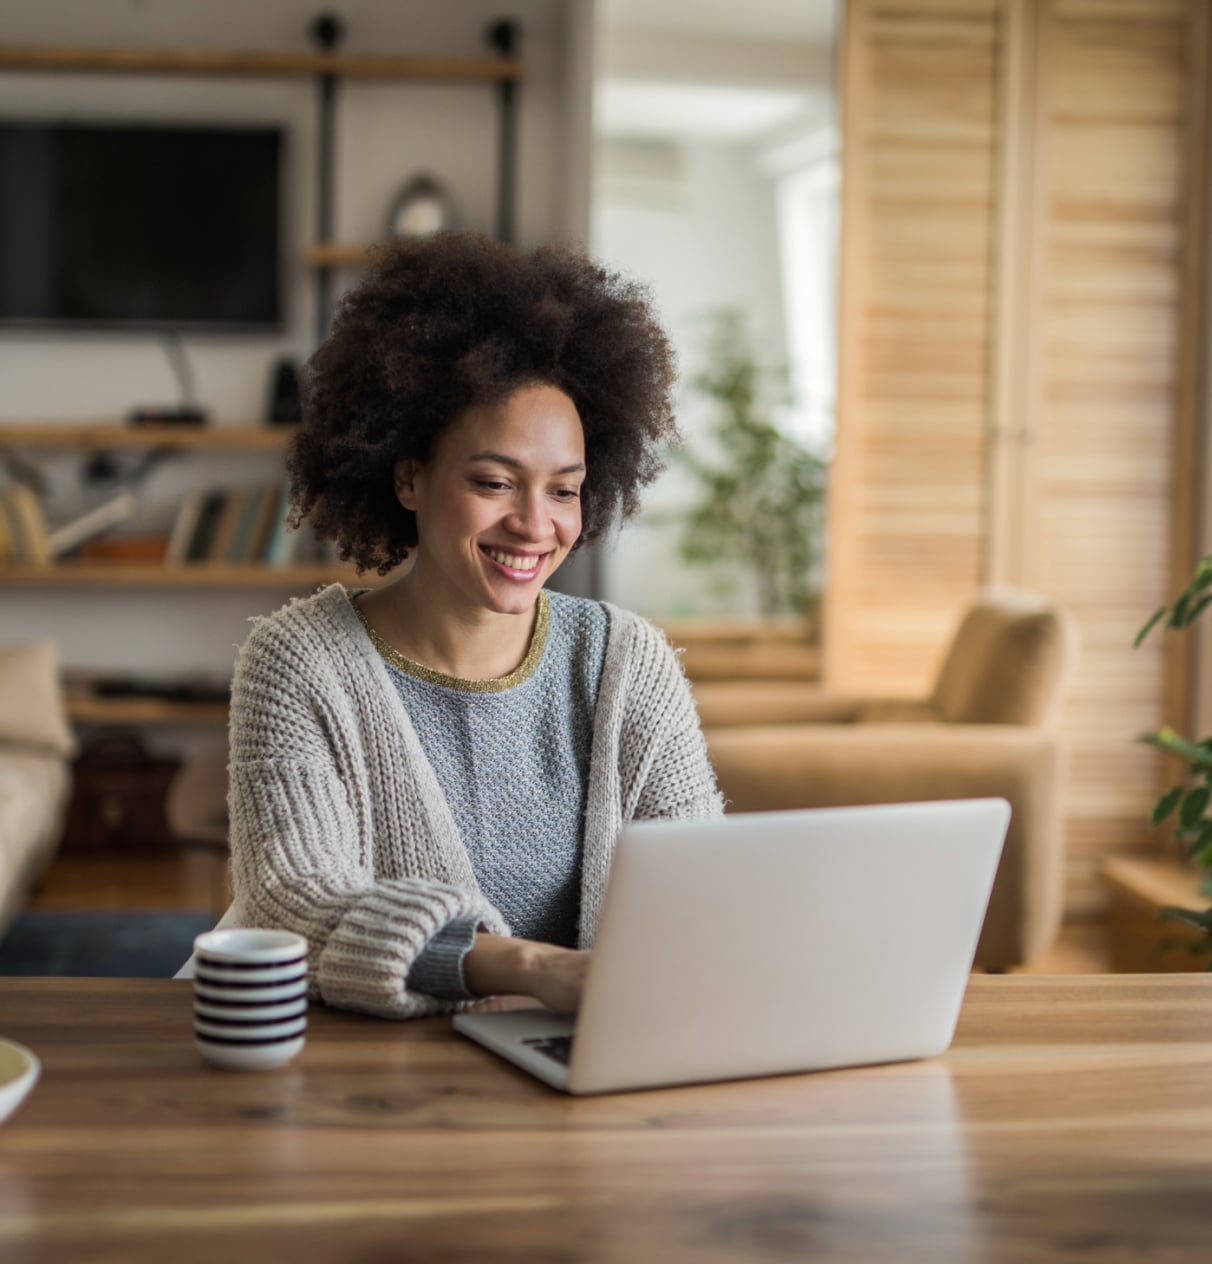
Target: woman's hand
499,966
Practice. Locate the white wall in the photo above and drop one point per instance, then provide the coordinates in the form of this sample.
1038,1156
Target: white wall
703,111
385,133
704,238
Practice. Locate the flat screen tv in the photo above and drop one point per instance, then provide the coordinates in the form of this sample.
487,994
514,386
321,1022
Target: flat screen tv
139,226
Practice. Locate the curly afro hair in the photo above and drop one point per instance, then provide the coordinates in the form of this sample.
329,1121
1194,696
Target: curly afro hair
455,320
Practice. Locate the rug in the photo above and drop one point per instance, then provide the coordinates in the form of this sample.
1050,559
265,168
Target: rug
131,945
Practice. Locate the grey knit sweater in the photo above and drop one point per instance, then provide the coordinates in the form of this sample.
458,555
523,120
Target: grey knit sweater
340,831
513,765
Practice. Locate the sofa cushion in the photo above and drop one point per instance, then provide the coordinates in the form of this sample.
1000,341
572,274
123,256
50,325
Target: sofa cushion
1005,666
31,702
33,794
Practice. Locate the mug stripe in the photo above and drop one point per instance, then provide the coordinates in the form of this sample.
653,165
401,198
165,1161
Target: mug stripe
226,963
222,1002
203,1038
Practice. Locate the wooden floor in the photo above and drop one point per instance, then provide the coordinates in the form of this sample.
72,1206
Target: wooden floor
181,880
189,880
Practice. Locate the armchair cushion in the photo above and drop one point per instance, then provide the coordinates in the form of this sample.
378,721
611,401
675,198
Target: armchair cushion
1006,663
31,702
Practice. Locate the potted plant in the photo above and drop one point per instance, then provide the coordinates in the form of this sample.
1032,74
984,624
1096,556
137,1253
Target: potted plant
1188,801
762,495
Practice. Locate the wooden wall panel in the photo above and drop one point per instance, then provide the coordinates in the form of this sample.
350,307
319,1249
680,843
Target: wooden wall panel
1118,82
907,513
1021,313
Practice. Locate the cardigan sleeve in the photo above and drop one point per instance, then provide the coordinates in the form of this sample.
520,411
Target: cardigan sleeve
301,844
675,780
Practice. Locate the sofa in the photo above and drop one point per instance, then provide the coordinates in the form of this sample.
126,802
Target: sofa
988,727
35,748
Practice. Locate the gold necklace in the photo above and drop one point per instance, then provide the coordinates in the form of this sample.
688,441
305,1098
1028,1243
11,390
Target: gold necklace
497,684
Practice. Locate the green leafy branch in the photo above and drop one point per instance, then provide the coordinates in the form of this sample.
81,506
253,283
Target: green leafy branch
762,502
1188,801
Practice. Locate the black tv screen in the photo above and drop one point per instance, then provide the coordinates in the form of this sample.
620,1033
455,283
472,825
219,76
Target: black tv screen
139,226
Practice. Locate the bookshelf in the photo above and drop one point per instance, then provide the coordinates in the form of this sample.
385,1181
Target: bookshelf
99,436
186,575
115,434
284,65
92,710
84,708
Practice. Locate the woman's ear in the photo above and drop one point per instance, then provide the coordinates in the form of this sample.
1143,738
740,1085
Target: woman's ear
404,477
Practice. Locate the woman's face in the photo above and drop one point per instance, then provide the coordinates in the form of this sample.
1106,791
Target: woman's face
499,505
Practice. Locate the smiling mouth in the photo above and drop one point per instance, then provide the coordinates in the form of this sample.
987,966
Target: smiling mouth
519,563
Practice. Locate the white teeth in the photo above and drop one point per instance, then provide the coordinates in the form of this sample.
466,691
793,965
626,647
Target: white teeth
514,563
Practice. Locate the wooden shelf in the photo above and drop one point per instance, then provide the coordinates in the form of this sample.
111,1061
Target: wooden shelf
167,61
54,434
157,575
1140,887
331,254
90,709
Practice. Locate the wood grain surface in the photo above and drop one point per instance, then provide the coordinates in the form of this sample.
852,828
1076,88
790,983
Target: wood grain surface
1071,1120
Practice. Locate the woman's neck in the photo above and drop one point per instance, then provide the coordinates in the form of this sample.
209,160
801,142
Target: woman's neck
445,635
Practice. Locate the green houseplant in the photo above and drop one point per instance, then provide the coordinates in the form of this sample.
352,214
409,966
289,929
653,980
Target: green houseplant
762,499
1188,802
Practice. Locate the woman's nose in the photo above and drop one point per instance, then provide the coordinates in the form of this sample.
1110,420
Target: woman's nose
529,517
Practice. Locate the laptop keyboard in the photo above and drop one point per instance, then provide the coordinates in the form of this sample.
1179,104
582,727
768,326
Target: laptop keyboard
557,1047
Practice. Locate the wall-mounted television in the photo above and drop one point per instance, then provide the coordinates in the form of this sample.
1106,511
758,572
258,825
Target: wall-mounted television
140,226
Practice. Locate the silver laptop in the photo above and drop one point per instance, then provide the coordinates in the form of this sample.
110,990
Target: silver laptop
766,943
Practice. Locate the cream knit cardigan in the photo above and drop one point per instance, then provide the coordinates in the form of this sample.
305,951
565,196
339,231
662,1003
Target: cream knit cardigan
340,832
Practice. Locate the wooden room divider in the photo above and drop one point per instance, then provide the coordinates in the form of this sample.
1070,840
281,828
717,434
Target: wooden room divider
1021,322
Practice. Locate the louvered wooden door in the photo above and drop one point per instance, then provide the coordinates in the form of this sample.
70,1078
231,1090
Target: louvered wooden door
1022,287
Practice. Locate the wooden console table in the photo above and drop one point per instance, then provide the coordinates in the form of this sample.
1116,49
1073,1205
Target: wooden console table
1070,1121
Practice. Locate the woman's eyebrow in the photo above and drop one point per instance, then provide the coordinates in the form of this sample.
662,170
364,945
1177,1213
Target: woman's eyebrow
514,463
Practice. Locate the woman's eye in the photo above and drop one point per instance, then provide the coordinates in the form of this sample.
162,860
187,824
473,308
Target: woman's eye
567,493
492,484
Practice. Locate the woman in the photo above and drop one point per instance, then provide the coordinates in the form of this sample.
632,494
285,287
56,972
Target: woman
427,778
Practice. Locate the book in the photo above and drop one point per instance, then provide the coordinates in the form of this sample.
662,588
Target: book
250,499
26,526
225,527
98,519
198,549
279,545
267,514
183,527
6,536
124,548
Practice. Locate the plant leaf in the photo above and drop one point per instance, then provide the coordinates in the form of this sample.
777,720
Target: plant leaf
1166,804
1158,614
1192,810
1200,606
1178,615
1188,917
1199,757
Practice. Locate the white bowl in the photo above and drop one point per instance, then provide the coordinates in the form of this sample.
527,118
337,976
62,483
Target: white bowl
19,1071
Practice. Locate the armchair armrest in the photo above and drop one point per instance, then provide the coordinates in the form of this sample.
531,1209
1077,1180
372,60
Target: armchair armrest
772,767
748,702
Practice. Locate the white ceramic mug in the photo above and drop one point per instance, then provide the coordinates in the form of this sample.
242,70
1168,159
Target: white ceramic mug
250,997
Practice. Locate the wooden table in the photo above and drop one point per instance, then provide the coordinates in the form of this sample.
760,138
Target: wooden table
1072,1120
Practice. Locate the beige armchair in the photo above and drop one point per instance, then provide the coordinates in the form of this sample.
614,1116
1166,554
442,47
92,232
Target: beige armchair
988,727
